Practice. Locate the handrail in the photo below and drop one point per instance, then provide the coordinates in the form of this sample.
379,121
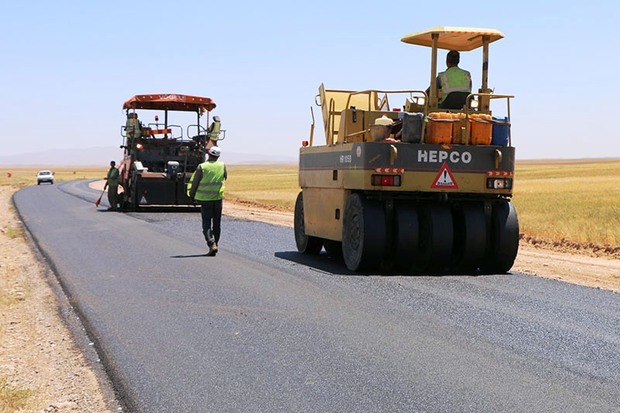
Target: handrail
369,92
387,91
180,129
312,126
199,128
331,122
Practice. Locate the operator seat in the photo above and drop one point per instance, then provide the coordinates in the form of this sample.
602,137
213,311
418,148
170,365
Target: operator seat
454,100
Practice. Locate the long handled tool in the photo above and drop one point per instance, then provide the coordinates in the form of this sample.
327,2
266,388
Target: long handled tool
98,201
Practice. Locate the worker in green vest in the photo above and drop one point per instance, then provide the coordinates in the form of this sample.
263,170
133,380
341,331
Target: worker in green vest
453,79
206,188
111,182
213,132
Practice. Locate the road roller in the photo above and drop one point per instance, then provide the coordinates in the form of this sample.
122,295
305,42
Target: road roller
413,180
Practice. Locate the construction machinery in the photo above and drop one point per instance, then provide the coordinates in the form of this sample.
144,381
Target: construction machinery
160,156
422,186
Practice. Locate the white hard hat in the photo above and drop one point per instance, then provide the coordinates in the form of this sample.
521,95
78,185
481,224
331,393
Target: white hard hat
214,151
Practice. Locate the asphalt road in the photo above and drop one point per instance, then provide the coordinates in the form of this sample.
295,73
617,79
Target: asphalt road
260,328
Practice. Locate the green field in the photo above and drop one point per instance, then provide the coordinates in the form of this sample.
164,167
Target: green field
575,201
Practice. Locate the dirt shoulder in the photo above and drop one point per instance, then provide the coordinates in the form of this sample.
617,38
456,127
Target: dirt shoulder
40,357
39,353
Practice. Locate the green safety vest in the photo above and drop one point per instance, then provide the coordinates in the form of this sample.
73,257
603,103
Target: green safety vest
213,132
454,79
112,177
211,186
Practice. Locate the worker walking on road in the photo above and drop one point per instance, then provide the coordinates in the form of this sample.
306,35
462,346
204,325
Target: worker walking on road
111,182
206,187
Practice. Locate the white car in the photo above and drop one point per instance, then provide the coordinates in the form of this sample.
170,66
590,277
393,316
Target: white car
45,176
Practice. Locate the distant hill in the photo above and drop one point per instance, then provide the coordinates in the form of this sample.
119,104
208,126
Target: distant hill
95,156
98,156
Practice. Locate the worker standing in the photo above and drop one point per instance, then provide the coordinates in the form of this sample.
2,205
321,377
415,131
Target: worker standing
111,182
206,188
213,132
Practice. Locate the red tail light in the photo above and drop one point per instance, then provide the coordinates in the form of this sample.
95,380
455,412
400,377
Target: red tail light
386,180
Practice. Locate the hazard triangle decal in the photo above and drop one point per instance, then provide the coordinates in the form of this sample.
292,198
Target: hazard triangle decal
444,179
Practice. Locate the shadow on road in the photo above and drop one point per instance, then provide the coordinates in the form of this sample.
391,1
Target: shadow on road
335,265
189,256
322,262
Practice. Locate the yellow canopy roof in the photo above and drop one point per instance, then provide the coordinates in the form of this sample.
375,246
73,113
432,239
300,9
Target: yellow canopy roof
462,39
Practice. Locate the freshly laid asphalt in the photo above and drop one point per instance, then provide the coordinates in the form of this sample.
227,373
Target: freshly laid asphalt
262,328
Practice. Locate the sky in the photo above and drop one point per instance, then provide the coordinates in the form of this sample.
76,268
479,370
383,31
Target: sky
66,67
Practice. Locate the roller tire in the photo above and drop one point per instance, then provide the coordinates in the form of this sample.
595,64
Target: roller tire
407,236
306,244
470,237
436,237
363,233
504,239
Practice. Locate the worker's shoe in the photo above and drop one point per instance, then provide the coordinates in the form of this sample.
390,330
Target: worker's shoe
212,250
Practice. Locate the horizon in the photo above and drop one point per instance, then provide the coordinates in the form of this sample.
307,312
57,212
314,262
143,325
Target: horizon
244,159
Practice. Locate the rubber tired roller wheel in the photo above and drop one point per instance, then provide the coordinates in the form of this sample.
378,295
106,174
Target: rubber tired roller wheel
407,235
305,244
363,233
436,237
470,237
504,239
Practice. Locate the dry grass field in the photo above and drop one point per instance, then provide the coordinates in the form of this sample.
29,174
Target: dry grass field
576,201
567,202
269,186
19,177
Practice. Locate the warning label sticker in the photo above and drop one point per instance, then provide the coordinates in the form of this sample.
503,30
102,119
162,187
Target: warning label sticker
444,179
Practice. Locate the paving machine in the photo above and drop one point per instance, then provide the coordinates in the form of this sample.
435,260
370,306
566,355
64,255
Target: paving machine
422,186
160,156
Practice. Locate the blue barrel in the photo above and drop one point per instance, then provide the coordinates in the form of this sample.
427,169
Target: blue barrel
501,127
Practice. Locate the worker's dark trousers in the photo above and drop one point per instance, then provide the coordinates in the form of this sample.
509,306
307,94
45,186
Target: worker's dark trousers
113,196
211,212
